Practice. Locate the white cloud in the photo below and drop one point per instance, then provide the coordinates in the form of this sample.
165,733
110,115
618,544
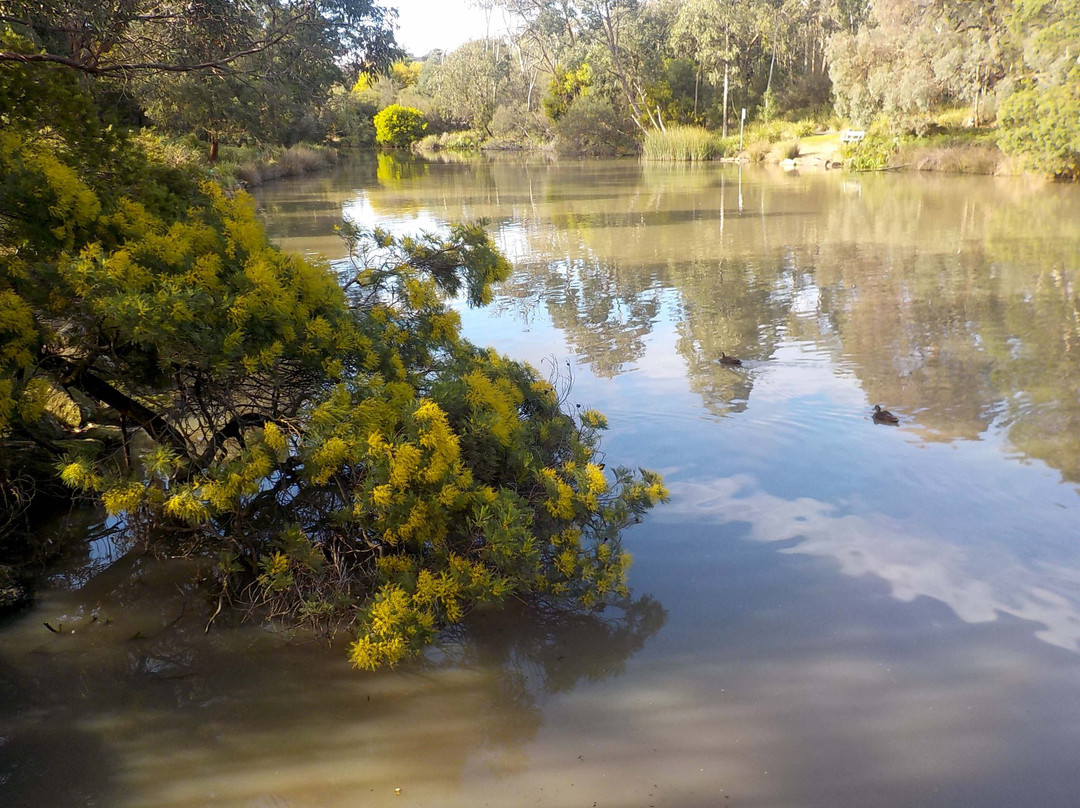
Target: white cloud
977,587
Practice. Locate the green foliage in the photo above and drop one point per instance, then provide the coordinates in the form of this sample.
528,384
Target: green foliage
912,58
1040,121
592,127
399,126
514,124
465,86
778,130
681,93
349,120
565,86
230,72
873,153
1042,126
727,146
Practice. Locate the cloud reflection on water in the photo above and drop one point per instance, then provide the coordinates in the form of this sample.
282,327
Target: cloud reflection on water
977,589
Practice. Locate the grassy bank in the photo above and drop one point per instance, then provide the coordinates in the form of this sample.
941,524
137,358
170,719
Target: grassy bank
956,150
943,145
243,166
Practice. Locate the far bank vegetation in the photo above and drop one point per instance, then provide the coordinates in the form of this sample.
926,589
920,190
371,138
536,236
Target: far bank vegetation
955,86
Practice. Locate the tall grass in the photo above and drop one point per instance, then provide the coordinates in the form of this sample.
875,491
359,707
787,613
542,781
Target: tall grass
777,130
788,150
254,167
681,144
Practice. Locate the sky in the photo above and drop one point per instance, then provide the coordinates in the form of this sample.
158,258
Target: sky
427,24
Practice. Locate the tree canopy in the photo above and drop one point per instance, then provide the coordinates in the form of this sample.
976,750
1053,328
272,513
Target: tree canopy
223,70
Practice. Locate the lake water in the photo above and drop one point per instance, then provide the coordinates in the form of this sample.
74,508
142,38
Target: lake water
829,612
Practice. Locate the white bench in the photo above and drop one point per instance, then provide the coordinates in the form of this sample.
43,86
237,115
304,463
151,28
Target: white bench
852,135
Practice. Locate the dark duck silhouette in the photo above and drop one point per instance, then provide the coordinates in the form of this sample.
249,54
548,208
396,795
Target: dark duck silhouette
725,359
881,416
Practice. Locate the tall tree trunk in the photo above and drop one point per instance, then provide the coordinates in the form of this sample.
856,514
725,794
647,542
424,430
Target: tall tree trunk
768,85
727,69
697,82
611,34
978,93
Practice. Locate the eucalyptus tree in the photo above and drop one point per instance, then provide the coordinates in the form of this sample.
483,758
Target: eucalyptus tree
466,85
912,56
713,33
549,28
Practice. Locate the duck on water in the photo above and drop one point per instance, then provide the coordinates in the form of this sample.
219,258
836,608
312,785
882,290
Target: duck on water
881,416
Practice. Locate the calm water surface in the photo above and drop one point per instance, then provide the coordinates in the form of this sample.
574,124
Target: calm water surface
829,612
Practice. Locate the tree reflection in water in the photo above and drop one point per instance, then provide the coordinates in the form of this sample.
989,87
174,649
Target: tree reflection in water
135,677
954,300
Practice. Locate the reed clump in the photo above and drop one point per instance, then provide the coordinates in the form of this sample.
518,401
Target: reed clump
681,144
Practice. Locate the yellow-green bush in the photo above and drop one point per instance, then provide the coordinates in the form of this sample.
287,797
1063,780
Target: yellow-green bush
399,126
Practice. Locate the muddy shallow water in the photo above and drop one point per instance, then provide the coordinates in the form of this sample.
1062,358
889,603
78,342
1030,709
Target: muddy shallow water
829,612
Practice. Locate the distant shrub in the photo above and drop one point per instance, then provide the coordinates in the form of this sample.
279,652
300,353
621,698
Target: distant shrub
788,149
515,124
428,143
566,86
591,127
770,132
173,151
347,119
727,146
303,159
254,167
957,158
463,140
399,126
758,150
777,131
872,154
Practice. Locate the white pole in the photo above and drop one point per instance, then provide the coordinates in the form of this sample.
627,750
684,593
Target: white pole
741,122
